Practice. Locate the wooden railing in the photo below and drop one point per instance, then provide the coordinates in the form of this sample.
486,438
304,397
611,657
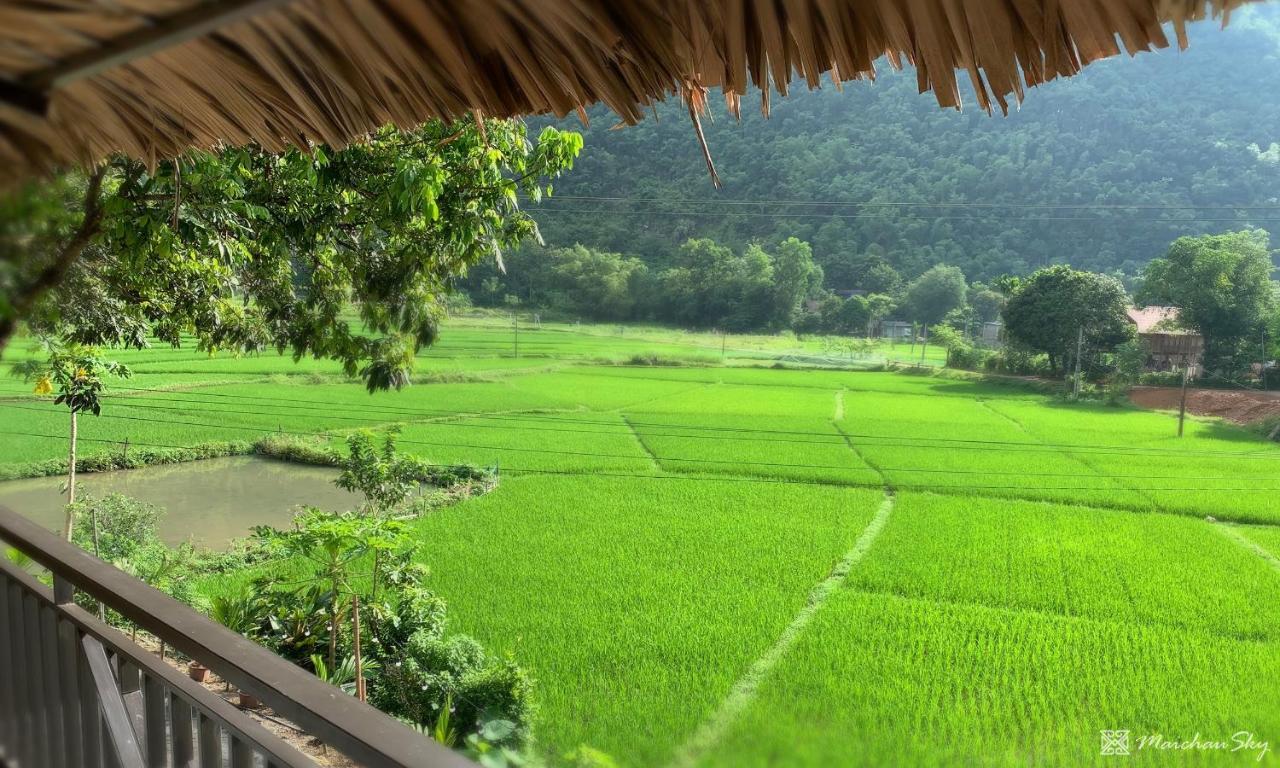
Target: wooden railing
76,692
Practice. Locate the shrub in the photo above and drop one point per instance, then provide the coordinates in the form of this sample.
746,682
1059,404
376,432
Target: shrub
298,449
123,532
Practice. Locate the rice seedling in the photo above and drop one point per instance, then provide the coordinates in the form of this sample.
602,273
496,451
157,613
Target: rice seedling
1074,561
636,602
888,680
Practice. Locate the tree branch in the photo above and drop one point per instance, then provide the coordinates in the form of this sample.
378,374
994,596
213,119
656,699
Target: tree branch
52,275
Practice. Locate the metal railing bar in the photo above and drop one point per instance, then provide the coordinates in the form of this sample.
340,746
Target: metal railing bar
111,705
358,730
80,621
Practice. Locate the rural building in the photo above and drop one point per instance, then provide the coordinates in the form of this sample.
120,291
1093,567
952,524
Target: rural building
993,334
1170,345
897,330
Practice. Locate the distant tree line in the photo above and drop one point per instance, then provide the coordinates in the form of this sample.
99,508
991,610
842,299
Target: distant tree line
1220,283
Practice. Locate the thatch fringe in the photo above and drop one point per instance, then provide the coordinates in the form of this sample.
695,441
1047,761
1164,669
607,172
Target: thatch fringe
331,70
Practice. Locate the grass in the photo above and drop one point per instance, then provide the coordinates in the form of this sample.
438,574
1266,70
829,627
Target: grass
1073,561
1046,571
636,602
889,680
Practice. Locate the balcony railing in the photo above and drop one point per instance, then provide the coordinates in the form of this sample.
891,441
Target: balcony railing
76,692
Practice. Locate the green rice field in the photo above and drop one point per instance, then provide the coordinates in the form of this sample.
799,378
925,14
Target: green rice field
736,560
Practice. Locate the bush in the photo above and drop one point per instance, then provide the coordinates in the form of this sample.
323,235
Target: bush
125,535
1018,361
435,672
132,458
298,449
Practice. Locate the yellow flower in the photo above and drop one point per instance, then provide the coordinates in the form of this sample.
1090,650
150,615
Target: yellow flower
81,373
44,386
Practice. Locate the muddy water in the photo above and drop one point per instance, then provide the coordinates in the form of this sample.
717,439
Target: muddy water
207,502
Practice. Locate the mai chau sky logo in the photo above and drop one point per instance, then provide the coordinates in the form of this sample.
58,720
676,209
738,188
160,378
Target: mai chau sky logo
1115,743
1120,743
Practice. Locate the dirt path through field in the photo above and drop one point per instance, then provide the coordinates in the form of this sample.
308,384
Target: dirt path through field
744,691
1235,535
1239,406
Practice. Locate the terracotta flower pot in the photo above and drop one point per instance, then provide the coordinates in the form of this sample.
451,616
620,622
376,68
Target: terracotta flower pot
248,700
198,671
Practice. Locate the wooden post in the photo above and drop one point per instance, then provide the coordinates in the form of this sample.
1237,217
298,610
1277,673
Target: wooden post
355,614
71,480
1182,405
1079,354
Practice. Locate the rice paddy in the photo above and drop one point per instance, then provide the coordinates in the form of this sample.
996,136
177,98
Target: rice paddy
670,548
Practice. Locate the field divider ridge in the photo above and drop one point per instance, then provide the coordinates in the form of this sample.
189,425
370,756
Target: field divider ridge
653,457
744,691
1244,541
1098,472
884,478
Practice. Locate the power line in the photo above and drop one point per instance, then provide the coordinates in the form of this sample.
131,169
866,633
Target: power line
892,216
905,204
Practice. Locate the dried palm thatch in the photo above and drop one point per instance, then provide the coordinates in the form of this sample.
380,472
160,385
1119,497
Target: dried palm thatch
83,78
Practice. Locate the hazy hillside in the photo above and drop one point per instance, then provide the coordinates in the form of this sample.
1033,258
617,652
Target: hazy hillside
1182,133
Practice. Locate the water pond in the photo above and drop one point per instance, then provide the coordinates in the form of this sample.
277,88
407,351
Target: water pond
205,502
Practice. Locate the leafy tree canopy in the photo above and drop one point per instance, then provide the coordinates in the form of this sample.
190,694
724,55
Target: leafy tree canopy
249,250
1049,309
935,293
1222,287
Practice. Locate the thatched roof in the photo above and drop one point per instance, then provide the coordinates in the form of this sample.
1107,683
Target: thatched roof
82,78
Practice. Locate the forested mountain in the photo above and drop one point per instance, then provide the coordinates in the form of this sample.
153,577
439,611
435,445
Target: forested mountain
1166,144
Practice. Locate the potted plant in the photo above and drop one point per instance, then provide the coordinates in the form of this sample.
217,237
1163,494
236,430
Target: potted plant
198,671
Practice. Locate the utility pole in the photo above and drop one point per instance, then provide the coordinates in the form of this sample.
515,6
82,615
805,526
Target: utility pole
722,338
1182,405
924,344
1262,372
1079,353
515,337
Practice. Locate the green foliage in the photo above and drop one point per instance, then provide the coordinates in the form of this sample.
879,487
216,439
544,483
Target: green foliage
1222,287
1170,128
384,477
250,250
930,297
123,527
123,532
987,303
74,372
961,353
432,675
846,316
1049,309
1130,359
705,285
